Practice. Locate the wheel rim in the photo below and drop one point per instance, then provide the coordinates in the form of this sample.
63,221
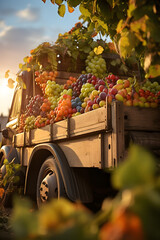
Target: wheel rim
48,187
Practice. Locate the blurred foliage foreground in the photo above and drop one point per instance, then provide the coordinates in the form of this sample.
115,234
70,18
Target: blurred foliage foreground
133,214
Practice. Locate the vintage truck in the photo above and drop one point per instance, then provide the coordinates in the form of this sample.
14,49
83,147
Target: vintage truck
69,158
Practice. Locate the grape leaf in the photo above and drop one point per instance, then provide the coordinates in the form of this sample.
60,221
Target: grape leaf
61,10
129,174
74,3
84,11
127,43
58,2
7,73
154,71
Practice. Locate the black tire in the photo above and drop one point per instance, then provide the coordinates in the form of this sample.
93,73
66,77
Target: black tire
50,183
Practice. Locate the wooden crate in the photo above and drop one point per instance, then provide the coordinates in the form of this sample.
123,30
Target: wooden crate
142,119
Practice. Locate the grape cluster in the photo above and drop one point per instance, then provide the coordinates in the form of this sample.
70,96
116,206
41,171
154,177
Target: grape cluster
96,65
111,80
76,104
76,86
152,87
53,89
33,107
69,82
86,90
64,108
29,123
41,121
21,126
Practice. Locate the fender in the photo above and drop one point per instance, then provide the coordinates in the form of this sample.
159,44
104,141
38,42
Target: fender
38,156
9,152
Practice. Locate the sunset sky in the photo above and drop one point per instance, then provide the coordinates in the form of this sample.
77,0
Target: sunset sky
24,24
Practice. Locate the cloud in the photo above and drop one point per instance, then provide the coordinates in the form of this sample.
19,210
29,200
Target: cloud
29,14
4,28
16,43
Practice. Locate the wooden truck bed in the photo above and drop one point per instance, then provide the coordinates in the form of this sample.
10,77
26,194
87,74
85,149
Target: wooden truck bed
98,138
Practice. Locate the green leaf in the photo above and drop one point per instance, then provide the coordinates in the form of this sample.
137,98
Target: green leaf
119,26
62,10
20,65
74,3
25,59
154,71
84,11
21,83
127,43
58,2
137,170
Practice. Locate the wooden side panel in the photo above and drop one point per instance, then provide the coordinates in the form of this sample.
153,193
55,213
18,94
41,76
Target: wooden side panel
83,152
60,130
19,140
117,133
108,158
40,135
89,122
144,119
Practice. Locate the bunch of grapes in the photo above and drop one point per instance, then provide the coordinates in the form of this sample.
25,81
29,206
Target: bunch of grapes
21,126
29,123
53,89
67,92
76,86
76,104
45,107
41,121
69,82
86,90
152,87
111,80
42,78
54,101
96,65
33,107
64,108
51,116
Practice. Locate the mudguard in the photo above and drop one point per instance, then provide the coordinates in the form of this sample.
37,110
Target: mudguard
38,156
10,153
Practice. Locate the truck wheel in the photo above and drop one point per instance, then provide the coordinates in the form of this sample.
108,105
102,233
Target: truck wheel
50,183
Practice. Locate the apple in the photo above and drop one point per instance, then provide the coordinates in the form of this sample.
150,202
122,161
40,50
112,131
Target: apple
119,81
146,104
95,106
135,102
113,91
141,104
126,83
109,99
129,102
118,86
128,89
119,97
102,103
143,99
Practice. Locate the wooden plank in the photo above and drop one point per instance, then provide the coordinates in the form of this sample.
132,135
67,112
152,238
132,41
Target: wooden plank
107,161
40,135
83,152
117,133
19,140
89,122
66,75
143,119
60,130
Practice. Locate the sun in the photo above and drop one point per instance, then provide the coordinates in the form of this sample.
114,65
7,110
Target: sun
6,95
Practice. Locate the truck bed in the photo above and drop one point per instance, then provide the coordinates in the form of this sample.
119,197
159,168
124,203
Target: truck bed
98,138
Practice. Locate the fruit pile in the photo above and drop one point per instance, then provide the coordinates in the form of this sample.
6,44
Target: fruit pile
84,94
